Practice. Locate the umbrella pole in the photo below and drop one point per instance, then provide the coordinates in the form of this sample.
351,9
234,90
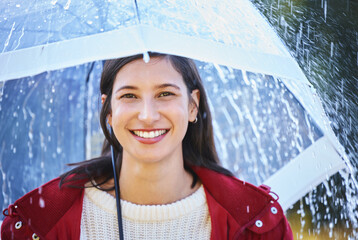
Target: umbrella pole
116,186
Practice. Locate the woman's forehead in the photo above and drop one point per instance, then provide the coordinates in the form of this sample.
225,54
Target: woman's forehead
157,70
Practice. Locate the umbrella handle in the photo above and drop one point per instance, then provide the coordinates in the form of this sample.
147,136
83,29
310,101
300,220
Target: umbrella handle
116,187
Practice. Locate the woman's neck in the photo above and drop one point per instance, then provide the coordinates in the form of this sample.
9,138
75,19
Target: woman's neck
155,183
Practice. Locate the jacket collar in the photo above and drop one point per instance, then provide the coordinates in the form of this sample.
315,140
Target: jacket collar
233,204
46,206
231,200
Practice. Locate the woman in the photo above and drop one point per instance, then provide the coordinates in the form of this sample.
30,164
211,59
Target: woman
156,117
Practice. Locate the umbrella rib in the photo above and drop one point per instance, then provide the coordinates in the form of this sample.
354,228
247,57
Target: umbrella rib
137,11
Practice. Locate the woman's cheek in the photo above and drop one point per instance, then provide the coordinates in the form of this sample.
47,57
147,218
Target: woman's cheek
119,116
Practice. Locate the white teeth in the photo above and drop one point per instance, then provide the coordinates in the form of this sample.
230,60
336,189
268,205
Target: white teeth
151,134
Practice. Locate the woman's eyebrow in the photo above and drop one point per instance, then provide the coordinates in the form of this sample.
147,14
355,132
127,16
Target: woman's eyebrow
127,87
164,85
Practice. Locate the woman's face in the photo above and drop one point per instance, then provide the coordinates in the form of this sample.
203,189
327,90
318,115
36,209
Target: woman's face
151,110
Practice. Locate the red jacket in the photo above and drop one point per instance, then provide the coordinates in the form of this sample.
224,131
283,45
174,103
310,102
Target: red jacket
238,210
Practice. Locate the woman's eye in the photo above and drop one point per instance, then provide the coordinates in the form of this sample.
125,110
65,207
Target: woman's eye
164,94
128,95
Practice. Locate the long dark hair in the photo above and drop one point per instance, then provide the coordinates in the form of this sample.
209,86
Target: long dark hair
198,143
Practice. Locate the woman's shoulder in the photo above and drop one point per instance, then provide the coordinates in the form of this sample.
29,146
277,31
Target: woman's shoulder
40,210
227,188
44,196
249,209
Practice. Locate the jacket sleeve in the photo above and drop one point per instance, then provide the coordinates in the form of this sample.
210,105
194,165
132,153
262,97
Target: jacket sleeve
272,225
287,231
13,227
281,232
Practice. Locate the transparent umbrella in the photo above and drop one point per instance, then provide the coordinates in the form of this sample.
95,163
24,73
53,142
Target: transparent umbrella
269,123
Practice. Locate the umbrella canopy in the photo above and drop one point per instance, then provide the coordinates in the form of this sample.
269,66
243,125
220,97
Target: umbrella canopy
269,124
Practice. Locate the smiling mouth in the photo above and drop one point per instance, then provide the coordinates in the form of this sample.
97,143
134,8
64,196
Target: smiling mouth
149,134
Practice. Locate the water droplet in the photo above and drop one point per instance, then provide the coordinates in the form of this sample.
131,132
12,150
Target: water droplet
67,6
325,10
59,150
41,202
146,57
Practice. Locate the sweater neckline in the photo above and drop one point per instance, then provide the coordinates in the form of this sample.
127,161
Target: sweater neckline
132,211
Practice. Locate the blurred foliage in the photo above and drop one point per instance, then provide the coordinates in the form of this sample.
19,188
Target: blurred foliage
324,213
322,35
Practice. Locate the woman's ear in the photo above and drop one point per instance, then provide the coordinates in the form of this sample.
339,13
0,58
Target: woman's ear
103,98
109,116
194,105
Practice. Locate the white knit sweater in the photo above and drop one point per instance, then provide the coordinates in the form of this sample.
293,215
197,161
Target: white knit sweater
185,219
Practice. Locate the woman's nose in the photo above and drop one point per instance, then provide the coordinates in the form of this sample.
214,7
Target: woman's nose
148,112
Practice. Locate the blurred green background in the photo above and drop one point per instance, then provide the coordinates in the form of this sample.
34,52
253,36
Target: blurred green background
323,37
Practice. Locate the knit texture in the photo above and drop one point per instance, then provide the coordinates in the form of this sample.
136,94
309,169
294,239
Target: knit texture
185,219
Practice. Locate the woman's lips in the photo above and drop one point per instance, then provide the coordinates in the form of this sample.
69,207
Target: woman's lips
149,136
